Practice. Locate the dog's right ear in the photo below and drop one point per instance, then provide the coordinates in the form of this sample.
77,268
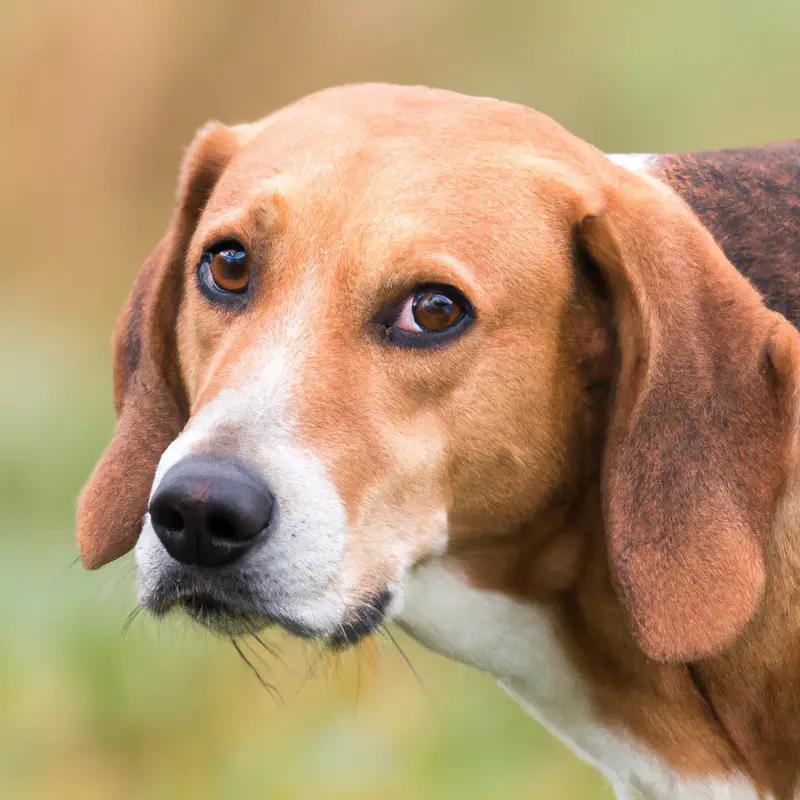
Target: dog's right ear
149,395
701,425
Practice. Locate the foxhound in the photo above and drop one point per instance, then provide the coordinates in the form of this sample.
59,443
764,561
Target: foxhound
408,355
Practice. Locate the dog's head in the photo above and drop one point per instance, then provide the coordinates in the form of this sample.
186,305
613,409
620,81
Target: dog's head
388,321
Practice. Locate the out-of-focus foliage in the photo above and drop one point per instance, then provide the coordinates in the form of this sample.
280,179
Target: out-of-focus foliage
97,100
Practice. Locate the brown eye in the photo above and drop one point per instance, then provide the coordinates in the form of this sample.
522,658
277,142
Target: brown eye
431,316
230,270
434,311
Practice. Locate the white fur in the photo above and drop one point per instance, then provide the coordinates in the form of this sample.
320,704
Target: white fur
640,163
299,562
517,643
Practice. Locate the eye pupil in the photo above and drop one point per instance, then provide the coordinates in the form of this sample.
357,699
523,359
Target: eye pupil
229,270
434,311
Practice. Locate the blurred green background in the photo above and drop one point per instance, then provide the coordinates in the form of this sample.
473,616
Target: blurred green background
97,100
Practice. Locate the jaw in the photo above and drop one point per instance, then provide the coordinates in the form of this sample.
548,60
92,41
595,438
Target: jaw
221,617
249,614
242,598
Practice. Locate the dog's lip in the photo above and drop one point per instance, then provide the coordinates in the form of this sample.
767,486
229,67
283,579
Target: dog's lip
367,619
219,614
204,603
233,619
231,610
224,615
225,609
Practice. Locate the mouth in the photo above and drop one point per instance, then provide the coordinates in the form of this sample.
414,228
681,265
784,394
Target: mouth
227,607
229,618
363,621
221,616
239,613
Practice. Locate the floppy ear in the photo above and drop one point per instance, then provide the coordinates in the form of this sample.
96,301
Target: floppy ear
148,391
699,427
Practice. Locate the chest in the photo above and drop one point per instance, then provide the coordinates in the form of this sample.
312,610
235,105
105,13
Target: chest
518,643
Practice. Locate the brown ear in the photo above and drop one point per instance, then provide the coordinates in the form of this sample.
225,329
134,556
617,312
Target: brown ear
148,391
699,427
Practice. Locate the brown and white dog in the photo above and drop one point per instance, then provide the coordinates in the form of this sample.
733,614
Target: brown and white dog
404,354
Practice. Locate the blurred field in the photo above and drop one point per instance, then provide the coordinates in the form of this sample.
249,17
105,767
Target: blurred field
98,99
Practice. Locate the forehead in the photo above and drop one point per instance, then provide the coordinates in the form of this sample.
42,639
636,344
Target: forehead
388,166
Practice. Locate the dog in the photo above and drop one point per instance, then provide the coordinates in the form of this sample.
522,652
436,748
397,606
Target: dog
408,355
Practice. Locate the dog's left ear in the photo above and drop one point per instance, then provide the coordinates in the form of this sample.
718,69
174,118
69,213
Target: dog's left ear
700,423
149,395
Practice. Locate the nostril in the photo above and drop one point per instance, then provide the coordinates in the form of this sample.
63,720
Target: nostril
209,512
221,527
167,517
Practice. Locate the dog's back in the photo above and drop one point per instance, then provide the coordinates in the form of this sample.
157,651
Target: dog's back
750,201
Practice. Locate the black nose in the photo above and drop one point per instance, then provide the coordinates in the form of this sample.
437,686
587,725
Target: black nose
209,512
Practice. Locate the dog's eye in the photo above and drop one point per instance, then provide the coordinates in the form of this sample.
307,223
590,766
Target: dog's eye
430,310
430,316
224,270
229,269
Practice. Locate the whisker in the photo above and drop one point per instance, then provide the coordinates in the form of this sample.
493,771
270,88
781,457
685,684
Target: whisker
358,682
310,666
325,663
112,587
271,649
268,687
126,626
262,661
405,658
256,653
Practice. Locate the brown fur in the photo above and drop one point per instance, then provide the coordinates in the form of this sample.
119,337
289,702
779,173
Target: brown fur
612,439
750,202
696,444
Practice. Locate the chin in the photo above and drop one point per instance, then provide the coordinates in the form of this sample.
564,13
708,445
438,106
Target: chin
233,607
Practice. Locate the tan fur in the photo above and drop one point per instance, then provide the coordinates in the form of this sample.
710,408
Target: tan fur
610,440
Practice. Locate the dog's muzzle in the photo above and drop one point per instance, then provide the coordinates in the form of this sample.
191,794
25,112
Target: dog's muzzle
223,564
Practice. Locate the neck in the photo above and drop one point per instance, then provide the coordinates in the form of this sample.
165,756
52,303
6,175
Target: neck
728,726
